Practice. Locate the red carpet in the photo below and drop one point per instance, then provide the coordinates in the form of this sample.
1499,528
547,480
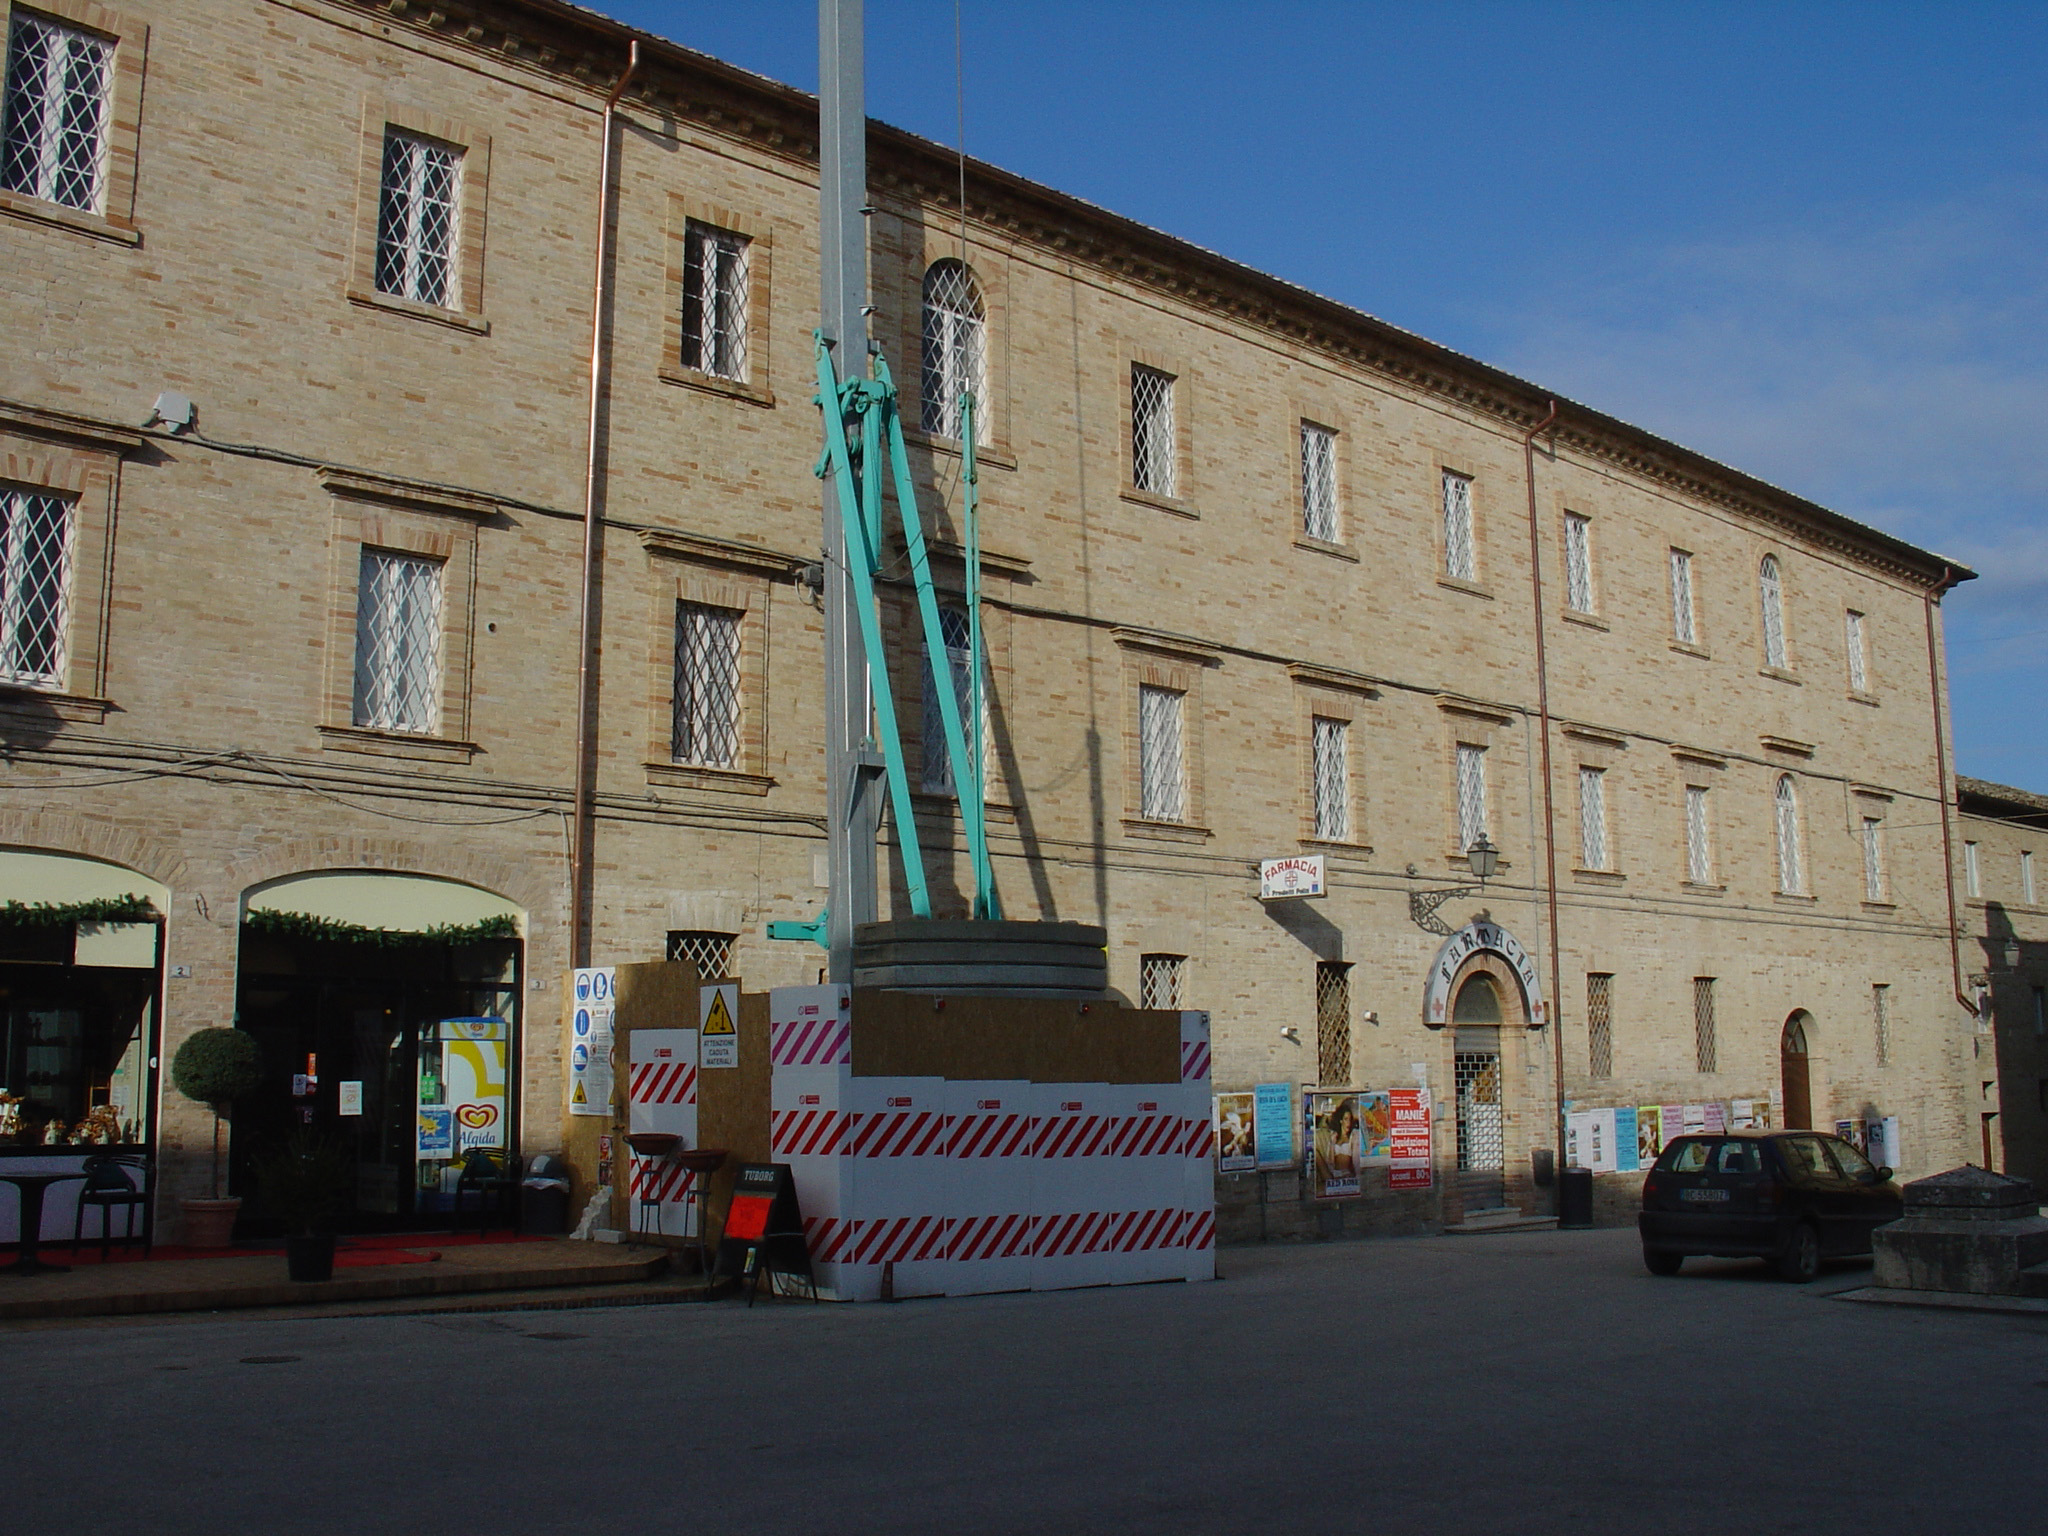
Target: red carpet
356,1252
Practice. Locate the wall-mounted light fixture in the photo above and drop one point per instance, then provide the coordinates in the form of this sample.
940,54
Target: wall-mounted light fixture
1483,859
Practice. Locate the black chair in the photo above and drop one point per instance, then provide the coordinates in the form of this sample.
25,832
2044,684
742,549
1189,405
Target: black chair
111,1179
494,1174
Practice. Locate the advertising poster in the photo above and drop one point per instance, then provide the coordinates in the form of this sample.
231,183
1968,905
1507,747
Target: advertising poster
1336,1160
1376,1109
1413,1167
1674,1124
1575,1141
1741,1114
1649,1133
436,1133
1884,1142
1693,1120
1600,1151
1851,1131
1237,1149
1627,1153
1273,1124
1717,1118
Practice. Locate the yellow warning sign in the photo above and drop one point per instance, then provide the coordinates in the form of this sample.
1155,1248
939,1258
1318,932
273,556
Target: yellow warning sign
577,1097
717,1021
719,1043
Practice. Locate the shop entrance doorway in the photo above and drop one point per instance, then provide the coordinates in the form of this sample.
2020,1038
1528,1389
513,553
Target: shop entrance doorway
400,1048
1798,1082
1476,1020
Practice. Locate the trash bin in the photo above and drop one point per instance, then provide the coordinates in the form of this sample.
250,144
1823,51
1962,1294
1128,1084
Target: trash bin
544,1196
1575,1198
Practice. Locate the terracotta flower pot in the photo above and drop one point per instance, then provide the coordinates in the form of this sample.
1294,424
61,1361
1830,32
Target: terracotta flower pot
210,1223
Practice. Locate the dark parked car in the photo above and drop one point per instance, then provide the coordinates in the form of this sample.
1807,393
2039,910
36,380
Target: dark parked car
1793,1197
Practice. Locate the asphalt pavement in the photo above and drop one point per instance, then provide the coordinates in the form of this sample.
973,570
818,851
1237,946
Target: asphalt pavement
1525,1383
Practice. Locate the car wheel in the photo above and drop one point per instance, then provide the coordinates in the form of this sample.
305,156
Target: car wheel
1799,1261
1658,1262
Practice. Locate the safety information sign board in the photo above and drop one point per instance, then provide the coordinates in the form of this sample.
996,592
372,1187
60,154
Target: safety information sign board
718,1038
590,1042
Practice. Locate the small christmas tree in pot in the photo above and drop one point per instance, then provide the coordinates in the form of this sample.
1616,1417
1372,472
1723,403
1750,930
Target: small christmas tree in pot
214,1067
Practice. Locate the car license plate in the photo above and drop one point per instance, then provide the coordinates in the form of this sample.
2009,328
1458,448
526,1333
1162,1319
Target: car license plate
1703,1194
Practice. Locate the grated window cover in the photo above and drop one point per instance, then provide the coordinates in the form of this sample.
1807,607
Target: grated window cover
1705,1047
1162,764
35,588
1480,1142
937,775
1578,563
1152,431
1600,1024
56,113
1162,981
1881,1018
1333,1023
706,724
1682,627
1771,592
715,301
710,952
1592,818
1458,554
1789,875
1319,482
1330,750
416,219
955,347
1699,859
1471,794
398,643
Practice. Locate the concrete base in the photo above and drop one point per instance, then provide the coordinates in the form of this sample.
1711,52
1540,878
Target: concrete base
1969,1232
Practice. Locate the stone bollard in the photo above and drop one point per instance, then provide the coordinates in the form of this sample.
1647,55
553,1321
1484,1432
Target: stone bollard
1967,1230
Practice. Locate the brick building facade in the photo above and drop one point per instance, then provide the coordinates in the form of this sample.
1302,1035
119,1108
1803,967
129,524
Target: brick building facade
1260,584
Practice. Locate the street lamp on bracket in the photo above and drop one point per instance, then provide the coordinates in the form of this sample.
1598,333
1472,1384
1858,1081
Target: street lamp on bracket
1482,858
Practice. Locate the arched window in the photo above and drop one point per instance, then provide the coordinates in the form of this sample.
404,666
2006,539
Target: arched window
1788,837
955,346
1478,1001
1771,588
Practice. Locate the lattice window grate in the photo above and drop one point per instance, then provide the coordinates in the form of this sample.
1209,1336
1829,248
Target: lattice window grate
1881,1020
1790,879
716,295
1162,761
416,219
56,113
1162,981
1330,754
1476,1075
1771,593
2027,878
1319,482
706,727
1859,670
398,643
1459,559
1593,818
1578,562
1333,1023
1152,431
1873,858
937,772
1471,794
1699,852
955,347
1682,627
1704,1043
1973,878
709,951
1600,1024
35,588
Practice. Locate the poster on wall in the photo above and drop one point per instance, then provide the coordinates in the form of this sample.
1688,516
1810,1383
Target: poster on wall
1674,1124
1649,1133
1717,1118
1884,1142
1237,1149
1413,1167
590,1042
1627,1154
1273,1124
1575,1137
1376,1111
1335,1145
1590,1140
1741,1114
436,1132
1851,1131
1692,1120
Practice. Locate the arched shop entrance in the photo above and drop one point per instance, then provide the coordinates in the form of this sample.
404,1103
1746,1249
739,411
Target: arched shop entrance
386,1007
1795,1062
1485,988
80,978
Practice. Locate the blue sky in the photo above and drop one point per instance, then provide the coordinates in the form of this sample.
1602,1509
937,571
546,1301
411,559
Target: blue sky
1805,239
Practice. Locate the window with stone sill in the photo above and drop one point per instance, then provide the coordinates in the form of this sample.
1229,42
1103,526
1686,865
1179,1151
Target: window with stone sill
1771,596
936,777
1162,981
716,295
37,531
1592,818
1472,819
709,951
706,719
398,643
1319,483
1684,629
1578,563
1162,754
1460,560
57,112
1791,878
1153,466
1330,778
1699,851
955,346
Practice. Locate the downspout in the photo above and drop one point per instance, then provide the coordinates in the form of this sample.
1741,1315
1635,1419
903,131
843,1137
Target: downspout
579,842
1948,847
1549,790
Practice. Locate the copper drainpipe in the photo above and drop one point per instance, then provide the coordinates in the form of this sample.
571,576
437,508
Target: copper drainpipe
579,841
1549,794
1948,847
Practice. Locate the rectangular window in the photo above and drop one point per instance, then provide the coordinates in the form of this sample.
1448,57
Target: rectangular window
1319,482
1162,760
1152,431
398,643
1859,678
938,763
2027,878
1791,881
1699,850
710,952
715,293
1599,1024
417,201
1162,981
1333,1023
1578,563
1972,880
1330,749
1703,1022
1592,818
706,723
1873,858
1683,629
1459,558
1881,1021
58,96
35,588
1471,794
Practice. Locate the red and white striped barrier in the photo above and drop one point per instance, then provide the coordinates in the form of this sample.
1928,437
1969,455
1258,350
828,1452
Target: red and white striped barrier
1198,1166
661,1096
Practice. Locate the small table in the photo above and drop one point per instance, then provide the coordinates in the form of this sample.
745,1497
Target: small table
32,1186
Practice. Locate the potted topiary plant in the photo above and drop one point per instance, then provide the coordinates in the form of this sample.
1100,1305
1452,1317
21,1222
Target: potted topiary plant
306,1180
214,1067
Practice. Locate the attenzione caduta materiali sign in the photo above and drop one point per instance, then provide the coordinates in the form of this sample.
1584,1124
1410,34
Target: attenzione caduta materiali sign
1298,875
